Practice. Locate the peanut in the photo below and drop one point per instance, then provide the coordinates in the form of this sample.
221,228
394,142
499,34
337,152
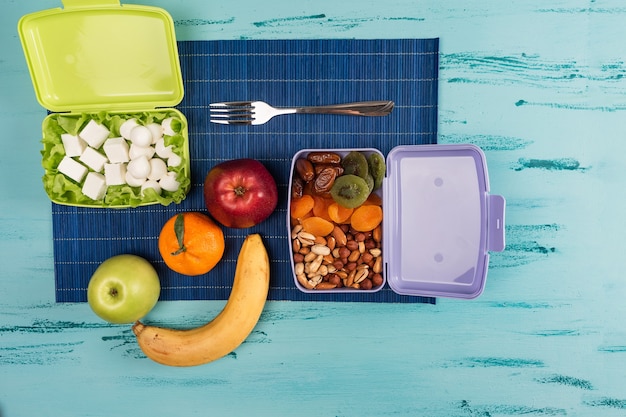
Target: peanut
361,247
304,282
316,263
296,245
378,265
296,229
309,257
304,241
360,275
350,279
320,249
354,256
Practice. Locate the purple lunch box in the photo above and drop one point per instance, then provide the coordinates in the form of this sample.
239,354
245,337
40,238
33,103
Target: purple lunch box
439,221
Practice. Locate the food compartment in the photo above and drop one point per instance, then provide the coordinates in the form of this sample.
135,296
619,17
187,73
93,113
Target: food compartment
334,219
116,159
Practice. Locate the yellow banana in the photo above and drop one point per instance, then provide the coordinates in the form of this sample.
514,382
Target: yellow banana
228,329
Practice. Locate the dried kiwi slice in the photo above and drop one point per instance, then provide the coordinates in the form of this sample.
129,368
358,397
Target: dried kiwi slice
370,182
350,191
376,164
355,163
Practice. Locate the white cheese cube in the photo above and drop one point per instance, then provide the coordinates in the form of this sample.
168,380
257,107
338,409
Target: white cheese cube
116,150
94,134
93,159
73,144
95,186
115,174
72,169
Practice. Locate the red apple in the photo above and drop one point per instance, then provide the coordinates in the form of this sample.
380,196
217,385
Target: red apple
240,193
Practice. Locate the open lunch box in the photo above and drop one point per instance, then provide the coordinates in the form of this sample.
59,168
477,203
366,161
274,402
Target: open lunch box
108,75
439,221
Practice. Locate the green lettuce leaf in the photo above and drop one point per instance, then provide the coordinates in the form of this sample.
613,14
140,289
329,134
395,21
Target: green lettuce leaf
63,190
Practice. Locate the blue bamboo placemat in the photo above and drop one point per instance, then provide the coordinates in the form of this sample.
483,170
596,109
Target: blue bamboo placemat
283,73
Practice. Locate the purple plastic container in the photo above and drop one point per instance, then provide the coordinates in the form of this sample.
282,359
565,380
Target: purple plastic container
439,221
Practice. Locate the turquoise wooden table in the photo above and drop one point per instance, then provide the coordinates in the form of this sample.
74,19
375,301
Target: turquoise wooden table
540,87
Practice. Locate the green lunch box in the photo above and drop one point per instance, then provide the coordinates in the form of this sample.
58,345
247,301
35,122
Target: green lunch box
100,61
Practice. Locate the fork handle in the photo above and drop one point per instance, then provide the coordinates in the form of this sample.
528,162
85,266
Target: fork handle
361,108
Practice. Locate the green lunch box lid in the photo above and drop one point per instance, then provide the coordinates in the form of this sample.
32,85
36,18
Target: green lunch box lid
95,55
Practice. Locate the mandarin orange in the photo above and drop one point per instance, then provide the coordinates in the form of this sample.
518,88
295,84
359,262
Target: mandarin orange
191,243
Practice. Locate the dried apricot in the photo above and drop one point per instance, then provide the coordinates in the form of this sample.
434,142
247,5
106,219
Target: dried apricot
338,213
317,226
320,208
301,206
366,218
294,221
373,199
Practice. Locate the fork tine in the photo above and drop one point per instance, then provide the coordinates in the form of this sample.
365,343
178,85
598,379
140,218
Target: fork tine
232,113
232,121
232,104
224,112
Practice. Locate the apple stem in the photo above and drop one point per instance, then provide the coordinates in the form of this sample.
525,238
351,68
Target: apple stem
179,230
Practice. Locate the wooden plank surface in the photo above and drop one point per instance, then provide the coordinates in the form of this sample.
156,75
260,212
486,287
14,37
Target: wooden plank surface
540,86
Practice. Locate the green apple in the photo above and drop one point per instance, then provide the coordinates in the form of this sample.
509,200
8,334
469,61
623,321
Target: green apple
123,289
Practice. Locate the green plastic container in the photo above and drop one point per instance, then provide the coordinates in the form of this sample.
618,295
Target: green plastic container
101,58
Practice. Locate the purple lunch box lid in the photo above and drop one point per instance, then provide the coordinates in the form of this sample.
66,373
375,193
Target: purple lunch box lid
440,222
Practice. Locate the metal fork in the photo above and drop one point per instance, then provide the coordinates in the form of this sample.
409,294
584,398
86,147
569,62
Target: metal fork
259,112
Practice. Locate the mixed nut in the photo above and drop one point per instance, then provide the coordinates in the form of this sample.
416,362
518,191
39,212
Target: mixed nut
333,250
345,258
